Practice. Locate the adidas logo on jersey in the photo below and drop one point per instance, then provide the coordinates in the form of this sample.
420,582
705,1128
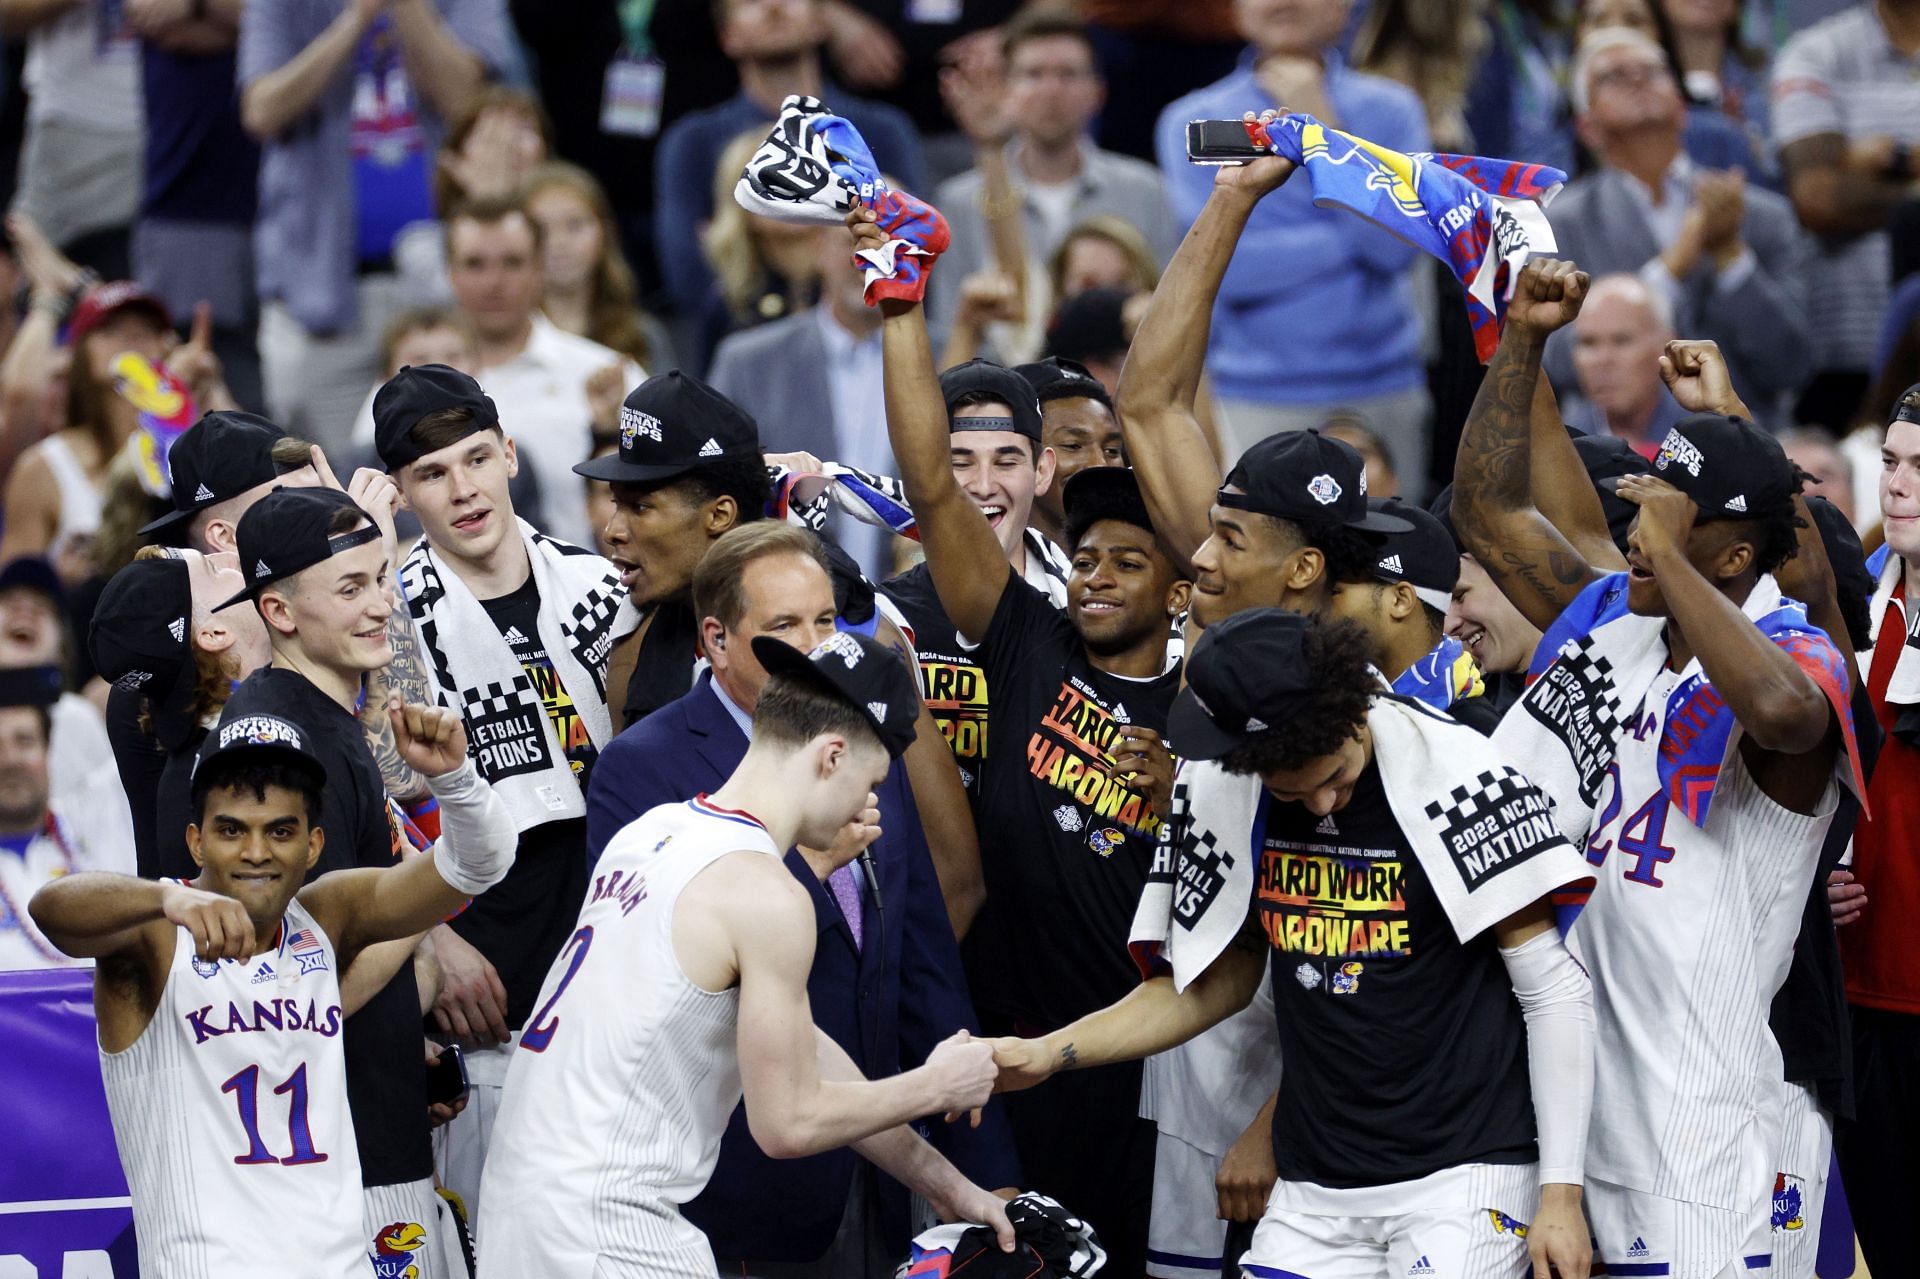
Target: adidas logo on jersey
1391,564
513,636
1120,715
1738,502
1326,826
203,494
711,448
263,975
1422,1267
1639,1247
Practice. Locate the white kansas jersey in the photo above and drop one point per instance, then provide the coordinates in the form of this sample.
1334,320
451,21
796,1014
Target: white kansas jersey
1687,936
230,1111
625,1076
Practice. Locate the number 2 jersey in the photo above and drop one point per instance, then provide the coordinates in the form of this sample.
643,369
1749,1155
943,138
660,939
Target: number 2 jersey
230,1111
625,1076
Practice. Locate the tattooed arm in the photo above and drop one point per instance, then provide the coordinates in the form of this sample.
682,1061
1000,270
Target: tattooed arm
1534,565
406,675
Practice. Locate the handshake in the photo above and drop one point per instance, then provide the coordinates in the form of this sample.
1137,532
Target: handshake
964,1071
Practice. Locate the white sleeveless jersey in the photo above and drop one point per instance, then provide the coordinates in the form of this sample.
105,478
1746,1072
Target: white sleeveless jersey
230,1111
1687,936
625,1076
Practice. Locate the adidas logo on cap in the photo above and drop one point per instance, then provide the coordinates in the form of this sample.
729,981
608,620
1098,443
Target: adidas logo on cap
711,448
1738,502
177,628
1391,564
203,494
260,569
878,710
1256,725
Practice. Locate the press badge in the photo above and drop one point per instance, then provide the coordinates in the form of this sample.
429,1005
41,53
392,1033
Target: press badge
631,103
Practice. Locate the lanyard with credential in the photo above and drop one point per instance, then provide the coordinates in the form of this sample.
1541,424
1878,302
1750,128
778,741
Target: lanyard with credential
636,79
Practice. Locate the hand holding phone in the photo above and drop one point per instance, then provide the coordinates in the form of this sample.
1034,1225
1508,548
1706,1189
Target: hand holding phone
1223,142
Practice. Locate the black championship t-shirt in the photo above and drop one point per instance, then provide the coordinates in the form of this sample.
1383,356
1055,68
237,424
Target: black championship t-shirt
1064,845
386,1065
521,922
1405,1050
951,680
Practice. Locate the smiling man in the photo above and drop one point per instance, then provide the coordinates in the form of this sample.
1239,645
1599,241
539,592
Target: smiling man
515,627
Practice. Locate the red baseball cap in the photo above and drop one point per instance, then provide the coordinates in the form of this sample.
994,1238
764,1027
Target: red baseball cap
103,301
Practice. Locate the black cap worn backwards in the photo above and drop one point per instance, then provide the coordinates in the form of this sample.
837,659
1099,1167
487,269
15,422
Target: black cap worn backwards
265,737
1423,557
1907,407
1308,478
413,393
139,641
1246,675
992,381
29,686
854,669
221,456
1058,378
286,532
1101,493
672,424
1731,468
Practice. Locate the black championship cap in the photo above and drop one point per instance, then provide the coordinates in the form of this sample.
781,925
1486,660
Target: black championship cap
1423,557
1090,325
996,382
1101,493
286,531
1308,478
221,456
1057,378
33,573
855,669
1729,467
1246,675
672,424
413,393
29,686
139,641
1907,407
266,737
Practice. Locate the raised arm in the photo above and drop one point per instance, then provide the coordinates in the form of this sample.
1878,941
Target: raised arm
96,914
271,103
792,1110
1562,488
969,569
1160,382
1532,563
444,71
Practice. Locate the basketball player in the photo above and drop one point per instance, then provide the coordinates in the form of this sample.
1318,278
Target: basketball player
219,1000
1689,724
685,985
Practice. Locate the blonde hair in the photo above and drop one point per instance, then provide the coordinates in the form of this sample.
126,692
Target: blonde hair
732,252
1431,46
613,314
1118,232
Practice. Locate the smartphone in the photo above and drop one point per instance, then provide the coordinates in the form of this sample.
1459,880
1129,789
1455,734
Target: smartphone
1222,142
447,1078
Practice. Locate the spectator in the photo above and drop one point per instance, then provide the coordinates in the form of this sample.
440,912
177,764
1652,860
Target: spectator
1037,113
590,288
1829,473
776,46
1728,257
1159,51
1342,291
1846,116
553,389
762,269
492,147
1104,252
347,102
43,837
1516,104
1710,138
80,167
194,239
34,632
1077,426
886,982
1616,361
1718,69
1382,480
1431,46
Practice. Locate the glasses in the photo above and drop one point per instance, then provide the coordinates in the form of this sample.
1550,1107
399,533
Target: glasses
1635,76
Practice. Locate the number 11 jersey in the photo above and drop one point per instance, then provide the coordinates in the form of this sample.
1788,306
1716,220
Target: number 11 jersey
230,1111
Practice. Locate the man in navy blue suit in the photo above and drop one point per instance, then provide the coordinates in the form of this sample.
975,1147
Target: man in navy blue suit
886,982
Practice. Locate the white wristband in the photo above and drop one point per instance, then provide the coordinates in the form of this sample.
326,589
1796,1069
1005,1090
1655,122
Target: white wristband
477,835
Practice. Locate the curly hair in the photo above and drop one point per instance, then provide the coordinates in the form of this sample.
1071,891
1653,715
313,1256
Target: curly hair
1349,553
1339,661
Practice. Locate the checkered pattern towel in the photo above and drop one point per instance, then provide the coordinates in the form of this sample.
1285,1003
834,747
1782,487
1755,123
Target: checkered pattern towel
583,611
1484,835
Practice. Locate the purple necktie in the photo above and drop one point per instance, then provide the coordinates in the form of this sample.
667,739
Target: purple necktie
845,884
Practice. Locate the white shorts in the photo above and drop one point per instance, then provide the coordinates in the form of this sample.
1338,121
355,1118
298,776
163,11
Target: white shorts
460,1147
1454,1224
1185,1237
411,1233
1800,1190
1636,1233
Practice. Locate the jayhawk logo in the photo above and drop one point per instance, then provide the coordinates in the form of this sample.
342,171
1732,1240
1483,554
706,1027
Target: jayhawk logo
1505,1225
1347,979
1105,840
1786,1204
393,1250
1391,171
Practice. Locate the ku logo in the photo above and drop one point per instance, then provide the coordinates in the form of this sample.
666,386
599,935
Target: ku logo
1105,840
1347,979
1786,1204
1505,1225
393,1250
